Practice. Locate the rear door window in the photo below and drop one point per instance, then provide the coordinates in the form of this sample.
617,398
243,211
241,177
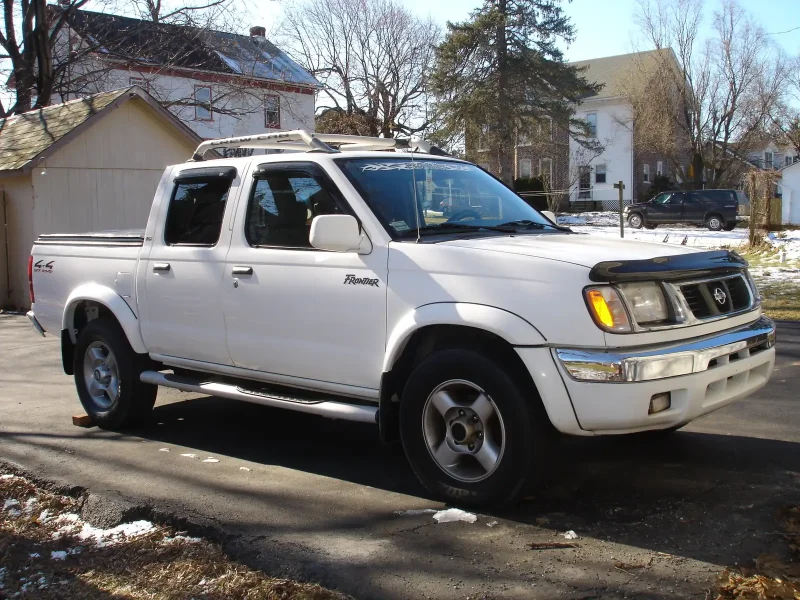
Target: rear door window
197,208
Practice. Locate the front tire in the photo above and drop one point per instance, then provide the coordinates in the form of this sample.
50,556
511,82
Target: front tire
635,221
107,374
714,223
470,431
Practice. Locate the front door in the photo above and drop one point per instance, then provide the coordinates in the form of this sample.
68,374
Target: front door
293,310
665,208
183,273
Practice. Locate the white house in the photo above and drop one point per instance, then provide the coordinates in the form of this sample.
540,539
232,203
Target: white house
772,155
610,117
789,186
217,83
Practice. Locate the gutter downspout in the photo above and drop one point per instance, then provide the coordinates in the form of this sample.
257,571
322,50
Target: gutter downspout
7,254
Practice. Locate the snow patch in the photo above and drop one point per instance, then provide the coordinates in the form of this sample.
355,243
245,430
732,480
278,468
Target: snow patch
163,449
34,555
244,469
570,535
211,459
180,538
58,555
451,515
414,512
189,455
10,503
9,476
101,537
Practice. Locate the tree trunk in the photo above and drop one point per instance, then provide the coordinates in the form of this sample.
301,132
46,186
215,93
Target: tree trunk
697,164
504,138
44,55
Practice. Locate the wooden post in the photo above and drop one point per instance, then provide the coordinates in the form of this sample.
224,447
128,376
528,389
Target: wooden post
621,186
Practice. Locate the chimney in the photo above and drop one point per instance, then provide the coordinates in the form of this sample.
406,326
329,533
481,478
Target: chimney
258,31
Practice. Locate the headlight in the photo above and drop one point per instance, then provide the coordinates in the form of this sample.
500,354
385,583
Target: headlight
646,302
607,309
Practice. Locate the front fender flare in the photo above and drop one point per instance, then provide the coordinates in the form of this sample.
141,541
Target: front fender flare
506,325
112,301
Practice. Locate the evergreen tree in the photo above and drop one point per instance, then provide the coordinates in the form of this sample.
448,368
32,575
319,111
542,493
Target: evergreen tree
502,69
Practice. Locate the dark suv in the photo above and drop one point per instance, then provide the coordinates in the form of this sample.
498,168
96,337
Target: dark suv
716,209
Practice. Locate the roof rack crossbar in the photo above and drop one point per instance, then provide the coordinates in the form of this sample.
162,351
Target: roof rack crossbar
303,140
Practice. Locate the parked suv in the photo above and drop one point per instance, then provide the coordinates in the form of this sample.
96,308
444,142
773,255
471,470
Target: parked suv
716,209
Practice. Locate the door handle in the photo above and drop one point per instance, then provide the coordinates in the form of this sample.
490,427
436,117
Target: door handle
161,267
242,271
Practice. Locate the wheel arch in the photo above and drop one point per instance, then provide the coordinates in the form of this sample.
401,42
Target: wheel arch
450,325
110,304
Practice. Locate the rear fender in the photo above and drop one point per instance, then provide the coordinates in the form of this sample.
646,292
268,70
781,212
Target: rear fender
107,297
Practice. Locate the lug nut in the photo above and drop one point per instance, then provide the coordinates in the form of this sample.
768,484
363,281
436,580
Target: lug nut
480,435
461,413
474,418
471,446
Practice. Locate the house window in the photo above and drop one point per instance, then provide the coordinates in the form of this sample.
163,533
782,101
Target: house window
525,168
788,160
546,128
591,123
659,168
546,170
141,82
600,174
272,112
646,175
524,139
203,106
768,160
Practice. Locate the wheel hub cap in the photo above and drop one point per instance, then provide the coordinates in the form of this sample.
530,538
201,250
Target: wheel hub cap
463,430
101,375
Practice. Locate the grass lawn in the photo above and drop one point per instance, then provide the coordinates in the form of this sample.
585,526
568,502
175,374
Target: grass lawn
779,284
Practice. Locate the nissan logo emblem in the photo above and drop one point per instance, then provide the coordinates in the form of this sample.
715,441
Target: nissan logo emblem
720,296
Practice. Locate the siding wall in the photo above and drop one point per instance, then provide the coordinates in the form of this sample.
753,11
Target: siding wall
103,179
19,200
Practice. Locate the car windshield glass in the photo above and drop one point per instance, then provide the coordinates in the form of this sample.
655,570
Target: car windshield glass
451,197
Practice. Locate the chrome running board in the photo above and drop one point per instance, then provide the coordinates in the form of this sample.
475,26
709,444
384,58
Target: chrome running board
323,408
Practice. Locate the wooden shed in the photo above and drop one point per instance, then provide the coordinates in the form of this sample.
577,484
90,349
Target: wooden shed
85,165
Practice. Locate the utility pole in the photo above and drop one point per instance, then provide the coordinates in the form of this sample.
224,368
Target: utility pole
621,186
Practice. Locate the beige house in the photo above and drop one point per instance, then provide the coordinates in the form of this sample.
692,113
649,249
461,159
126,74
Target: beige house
86,165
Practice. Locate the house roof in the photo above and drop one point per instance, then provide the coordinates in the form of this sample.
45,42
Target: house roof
183,47
26,137
611,71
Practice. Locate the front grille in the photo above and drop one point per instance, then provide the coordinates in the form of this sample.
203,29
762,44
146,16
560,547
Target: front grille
707,299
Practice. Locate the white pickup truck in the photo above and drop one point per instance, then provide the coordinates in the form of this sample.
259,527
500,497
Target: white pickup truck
326,280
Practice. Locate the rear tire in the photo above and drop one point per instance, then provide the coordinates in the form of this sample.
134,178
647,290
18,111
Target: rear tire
106,371
714,223
470,431
635,221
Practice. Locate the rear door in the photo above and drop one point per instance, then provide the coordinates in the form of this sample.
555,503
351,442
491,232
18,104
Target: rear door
183,273
290,309
694,208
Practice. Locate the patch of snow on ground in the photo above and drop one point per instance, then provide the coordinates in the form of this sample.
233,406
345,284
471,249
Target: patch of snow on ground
413,512
58,555
8,476
570,535
180,538
10,503
101,537
452,515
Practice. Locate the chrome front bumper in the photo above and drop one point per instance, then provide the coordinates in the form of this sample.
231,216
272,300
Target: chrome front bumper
661,362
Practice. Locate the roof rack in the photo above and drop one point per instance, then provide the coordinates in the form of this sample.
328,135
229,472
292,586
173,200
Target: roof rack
305,141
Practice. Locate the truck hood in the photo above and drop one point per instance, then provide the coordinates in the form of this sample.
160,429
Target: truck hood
576,248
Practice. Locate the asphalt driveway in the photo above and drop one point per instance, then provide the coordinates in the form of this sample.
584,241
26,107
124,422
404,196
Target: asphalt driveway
316,499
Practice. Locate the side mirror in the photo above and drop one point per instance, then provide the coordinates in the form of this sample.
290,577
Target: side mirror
338,233
549,214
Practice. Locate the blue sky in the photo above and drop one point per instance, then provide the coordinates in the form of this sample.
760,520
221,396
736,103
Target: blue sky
606,27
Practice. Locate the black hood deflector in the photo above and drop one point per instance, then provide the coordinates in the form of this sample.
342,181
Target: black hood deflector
669,268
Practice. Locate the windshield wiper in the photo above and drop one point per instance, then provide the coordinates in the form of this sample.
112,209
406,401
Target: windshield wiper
474,226
533,225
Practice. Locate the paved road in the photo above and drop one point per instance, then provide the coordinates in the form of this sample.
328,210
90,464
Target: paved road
320,499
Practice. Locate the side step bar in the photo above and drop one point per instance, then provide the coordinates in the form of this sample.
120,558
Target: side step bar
329,409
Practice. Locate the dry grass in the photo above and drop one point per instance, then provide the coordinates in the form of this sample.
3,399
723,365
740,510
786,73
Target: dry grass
159,564
774,577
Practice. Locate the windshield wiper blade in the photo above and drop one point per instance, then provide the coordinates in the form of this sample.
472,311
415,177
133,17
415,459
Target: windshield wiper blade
525,223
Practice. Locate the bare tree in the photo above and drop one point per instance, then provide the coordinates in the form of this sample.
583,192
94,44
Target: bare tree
785,123
374,59
705,102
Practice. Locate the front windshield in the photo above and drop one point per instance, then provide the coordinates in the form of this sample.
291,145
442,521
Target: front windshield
451,196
